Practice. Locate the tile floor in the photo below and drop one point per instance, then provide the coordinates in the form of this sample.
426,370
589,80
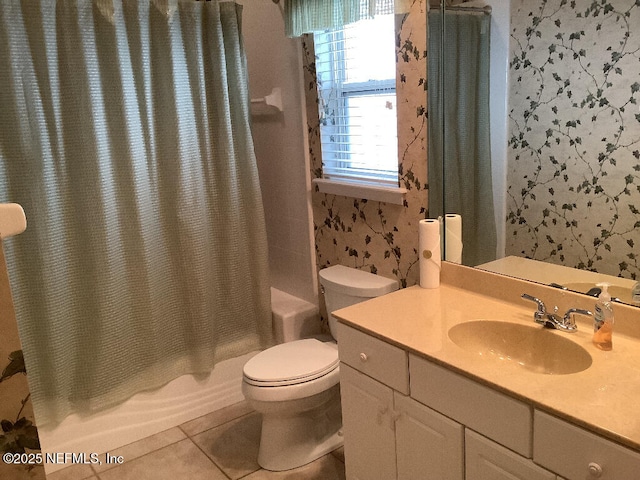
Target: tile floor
222,445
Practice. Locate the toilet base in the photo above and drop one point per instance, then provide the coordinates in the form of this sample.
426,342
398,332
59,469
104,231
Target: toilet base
291,438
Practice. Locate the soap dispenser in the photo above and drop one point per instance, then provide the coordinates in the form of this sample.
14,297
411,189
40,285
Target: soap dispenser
603,320
635,293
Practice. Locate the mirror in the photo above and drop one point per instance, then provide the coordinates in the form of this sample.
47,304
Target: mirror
564,101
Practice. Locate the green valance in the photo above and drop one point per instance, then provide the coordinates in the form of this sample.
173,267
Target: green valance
306,16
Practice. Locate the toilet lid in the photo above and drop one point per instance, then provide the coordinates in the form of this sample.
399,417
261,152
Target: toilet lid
292,362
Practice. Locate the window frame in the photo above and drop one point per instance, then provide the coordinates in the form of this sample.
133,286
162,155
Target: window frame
376,184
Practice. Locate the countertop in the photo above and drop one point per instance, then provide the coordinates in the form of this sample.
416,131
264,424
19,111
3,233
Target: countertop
603,398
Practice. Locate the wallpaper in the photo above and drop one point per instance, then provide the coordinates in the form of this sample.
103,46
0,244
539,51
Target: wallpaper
19,435
574,147
369,235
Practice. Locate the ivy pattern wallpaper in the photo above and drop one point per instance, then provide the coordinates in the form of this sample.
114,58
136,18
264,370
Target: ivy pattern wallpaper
19,435
375,236
574,146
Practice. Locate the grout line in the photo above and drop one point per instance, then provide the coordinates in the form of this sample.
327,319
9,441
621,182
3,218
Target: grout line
220,467
189,437
211,459
141,456
216,426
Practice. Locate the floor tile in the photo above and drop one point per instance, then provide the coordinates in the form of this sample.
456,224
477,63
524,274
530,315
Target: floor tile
73,472
325,468
229,437
10,471
182,460
215,419
142,447
234,445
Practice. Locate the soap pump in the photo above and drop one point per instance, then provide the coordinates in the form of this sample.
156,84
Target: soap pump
635,293
603,320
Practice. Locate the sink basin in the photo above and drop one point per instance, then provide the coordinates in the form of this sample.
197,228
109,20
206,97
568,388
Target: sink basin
533,348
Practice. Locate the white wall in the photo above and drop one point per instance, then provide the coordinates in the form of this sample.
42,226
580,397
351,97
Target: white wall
274,61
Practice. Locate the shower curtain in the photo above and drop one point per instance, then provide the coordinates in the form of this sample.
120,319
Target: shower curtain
124,134
459,165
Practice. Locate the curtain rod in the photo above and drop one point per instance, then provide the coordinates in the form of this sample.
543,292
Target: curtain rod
461,8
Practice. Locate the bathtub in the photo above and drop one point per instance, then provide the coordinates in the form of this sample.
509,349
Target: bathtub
183,399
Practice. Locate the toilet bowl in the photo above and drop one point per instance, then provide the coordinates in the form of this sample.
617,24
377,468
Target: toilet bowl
295,385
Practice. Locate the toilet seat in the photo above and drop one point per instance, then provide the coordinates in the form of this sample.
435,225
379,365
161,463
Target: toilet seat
292,363
254,392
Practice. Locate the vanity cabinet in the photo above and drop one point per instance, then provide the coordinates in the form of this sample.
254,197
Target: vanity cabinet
408,418
387,434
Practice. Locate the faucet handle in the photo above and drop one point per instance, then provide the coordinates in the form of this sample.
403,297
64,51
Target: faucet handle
541,306
568,317
541,313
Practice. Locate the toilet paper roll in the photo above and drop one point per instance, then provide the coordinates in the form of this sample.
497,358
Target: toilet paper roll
429,245
453,238
12,220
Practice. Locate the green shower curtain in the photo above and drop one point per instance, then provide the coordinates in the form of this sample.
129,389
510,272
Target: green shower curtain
459,160
124,134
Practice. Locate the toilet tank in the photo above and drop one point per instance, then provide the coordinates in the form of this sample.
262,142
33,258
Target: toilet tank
344,286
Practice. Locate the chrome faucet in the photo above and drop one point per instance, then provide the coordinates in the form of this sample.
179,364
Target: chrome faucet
553,320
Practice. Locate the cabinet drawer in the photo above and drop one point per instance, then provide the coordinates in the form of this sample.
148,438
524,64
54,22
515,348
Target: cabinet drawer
493,414
569,451
488,460
374,357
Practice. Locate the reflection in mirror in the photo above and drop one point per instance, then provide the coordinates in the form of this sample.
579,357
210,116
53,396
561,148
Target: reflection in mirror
566,176
458,98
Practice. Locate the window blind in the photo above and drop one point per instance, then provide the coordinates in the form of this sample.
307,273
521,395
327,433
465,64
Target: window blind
356,88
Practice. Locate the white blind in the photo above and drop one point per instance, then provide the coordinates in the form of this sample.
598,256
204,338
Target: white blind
356,87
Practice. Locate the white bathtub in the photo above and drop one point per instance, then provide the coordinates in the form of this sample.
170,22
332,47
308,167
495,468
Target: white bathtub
181,400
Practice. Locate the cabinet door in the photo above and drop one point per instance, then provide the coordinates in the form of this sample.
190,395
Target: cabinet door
486,460
429,446
368,426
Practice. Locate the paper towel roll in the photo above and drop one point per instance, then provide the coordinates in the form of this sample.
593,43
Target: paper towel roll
453,238
429,245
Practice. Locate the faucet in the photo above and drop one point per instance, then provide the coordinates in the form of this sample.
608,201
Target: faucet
553,320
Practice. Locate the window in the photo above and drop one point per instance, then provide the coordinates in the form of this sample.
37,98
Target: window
356,88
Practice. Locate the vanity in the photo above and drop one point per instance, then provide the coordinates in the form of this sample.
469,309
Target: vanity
460,383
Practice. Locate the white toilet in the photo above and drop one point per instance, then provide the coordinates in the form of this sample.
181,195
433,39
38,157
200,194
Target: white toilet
295,385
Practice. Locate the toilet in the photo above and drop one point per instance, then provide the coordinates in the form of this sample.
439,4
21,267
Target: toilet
295,385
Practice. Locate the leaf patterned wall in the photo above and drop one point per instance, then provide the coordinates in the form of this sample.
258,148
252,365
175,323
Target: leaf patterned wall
374,236
574,147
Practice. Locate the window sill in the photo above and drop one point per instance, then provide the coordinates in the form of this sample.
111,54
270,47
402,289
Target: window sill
370,192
